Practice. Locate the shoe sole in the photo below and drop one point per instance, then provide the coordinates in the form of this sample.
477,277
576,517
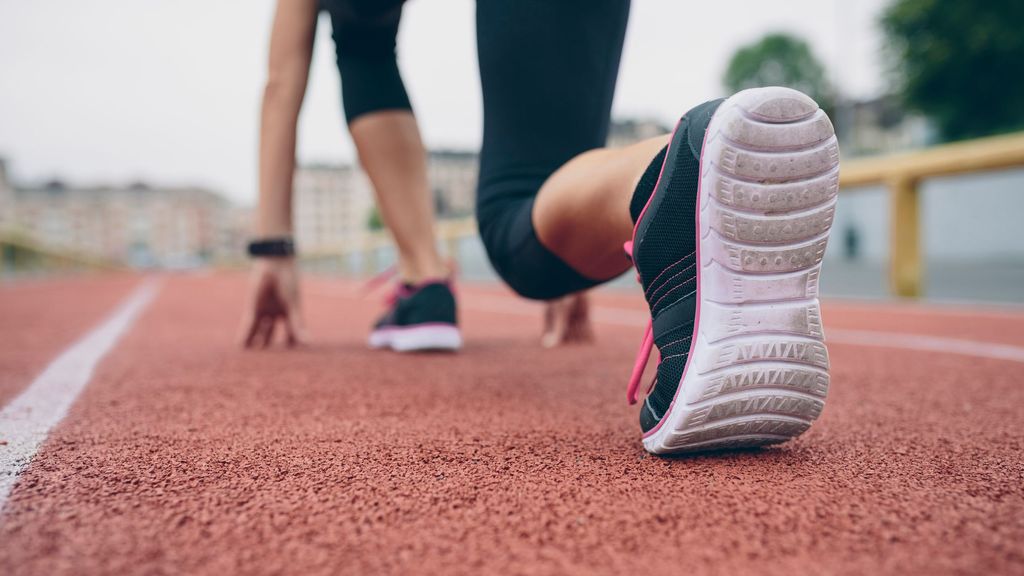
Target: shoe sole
417,338
757,372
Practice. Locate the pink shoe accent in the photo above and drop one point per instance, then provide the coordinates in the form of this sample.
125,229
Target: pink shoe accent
379,278
696,318
401,290
644,211
640,365
648,342
658,301
654,283
644,354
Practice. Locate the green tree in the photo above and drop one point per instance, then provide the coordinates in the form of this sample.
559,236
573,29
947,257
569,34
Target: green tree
779,60
960,63
374,221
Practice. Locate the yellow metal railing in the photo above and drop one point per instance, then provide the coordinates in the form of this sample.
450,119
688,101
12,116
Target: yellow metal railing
902,174
19,254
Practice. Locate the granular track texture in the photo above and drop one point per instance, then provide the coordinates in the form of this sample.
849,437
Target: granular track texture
186,454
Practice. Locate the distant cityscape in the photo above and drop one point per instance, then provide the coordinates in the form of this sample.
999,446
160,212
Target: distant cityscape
137,224
334,206
144,225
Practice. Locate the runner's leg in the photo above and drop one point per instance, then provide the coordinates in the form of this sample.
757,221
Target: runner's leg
384,130
548,70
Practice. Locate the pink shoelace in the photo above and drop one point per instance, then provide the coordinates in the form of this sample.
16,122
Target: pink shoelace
400,289
376,281
642,355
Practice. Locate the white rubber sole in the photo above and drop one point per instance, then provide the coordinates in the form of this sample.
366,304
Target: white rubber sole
758,367
417,338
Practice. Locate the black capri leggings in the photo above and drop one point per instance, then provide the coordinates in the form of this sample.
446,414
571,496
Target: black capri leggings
548,70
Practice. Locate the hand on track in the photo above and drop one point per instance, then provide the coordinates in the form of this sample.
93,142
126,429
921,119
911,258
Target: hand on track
567,321
273,299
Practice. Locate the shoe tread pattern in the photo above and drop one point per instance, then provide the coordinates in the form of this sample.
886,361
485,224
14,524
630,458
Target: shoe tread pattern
759,371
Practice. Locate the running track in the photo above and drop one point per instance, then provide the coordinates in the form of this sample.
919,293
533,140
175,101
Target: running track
184,454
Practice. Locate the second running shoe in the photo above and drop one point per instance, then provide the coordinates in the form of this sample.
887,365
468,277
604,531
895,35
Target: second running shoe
421,317
731,223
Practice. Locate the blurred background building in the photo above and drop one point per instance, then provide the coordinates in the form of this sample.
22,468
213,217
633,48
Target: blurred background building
880,126
6,198
135,225
333,207
453,176
625,131
895,76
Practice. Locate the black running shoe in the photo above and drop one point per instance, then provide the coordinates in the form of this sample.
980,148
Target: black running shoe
731,222
421,317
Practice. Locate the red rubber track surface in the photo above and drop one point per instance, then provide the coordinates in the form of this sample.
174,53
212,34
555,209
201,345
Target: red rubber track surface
39,319
186,454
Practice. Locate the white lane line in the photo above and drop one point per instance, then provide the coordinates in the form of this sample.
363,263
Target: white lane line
27,420
925,343
876,339
872,338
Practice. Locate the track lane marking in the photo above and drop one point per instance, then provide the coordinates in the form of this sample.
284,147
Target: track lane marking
869,338
925,343
26,421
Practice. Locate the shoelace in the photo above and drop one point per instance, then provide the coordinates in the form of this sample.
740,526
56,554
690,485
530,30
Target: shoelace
400,289
642,355
378,280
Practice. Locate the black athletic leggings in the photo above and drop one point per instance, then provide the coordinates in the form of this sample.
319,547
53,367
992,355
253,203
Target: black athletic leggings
548,71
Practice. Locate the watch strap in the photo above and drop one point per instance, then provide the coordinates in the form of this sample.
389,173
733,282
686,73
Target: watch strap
272,248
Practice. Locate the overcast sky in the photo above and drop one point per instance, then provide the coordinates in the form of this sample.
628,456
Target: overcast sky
168,90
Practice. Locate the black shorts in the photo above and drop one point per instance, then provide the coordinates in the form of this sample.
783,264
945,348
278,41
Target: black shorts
548,70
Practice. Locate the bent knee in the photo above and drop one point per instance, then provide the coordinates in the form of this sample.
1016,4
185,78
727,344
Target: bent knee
523,263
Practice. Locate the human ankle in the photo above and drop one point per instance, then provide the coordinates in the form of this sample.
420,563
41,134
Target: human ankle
423,269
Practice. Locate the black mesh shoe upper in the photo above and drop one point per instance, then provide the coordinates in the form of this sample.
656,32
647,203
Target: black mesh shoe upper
430,303
664,253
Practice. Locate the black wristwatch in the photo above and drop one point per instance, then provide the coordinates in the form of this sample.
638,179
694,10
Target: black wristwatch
272,248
